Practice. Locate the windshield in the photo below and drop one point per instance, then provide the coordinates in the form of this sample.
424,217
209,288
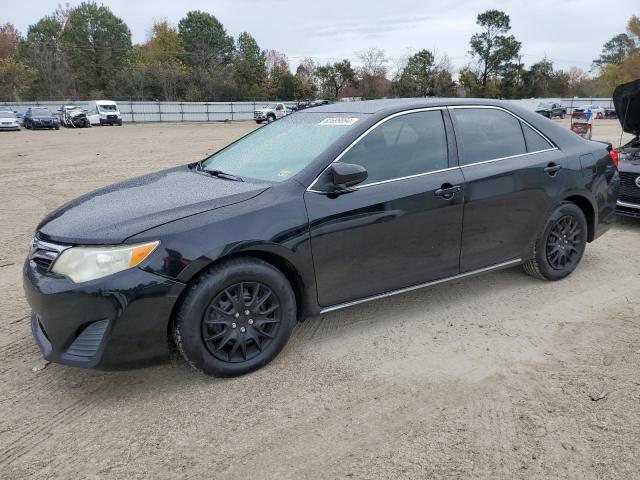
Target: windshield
7,115
40,112
544,105
280,150
107,108
271,106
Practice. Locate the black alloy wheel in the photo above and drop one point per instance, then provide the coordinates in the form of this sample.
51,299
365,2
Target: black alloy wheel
560,245
563,243
241,321
235,317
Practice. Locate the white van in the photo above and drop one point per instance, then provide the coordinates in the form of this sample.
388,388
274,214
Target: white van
104,112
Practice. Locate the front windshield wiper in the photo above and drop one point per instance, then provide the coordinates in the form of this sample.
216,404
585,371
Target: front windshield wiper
221,174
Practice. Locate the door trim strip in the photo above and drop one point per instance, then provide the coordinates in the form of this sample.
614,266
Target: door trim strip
498,266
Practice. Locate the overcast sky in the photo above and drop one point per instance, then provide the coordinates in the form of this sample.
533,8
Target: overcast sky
570,32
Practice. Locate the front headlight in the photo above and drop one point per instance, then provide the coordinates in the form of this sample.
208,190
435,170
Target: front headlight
82,264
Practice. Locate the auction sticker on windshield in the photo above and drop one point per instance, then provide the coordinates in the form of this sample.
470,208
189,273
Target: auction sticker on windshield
340,121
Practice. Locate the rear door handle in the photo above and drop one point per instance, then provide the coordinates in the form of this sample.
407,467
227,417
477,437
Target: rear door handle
448,191
552,169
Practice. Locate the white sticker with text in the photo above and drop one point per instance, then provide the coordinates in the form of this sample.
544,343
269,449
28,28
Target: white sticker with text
339,121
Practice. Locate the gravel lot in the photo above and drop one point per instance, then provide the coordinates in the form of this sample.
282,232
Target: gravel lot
489,377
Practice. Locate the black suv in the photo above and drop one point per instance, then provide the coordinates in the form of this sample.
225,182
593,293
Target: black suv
329,208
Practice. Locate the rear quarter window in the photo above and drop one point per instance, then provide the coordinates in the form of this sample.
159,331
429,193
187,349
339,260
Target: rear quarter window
535,141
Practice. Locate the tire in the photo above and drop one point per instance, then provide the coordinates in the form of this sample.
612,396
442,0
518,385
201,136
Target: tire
562,116
559,248
259,122
210,326
271,118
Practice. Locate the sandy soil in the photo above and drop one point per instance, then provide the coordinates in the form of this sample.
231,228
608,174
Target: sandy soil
489,377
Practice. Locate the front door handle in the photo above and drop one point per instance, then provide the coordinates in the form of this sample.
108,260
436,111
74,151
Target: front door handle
448,191
552,169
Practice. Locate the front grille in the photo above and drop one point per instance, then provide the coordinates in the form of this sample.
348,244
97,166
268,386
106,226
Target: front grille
629,191
43,254
112,117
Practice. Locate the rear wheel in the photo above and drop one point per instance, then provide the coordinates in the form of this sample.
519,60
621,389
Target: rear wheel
561,244
236,317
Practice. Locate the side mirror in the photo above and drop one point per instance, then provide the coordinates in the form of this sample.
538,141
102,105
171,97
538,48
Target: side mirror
344,176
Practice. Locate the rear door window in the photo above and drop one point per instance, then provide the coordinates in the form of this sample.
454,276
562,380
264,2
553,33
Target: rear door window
488,134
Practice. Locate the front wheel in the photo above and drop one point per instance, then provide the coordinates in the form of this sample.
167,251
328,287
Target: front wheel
561,244
271,118
235,318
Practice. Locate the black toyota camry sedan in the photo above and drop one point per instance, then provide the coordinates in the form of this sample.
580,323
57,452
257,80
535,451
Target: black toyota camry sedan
325,209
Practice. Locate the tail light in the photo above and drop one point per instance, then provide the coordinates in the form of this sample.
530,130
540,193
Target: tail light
615,156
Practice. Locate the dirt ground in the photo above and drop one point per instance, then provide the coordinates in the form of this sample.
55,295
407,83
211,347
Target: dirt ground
489,377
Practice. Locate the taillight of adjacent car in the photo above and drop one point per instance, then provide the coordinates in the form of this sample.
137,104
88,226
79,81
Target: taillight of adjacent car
615,156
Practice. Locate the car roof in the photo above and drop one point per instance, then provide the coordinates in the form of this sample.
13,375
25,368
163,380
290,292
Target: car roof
390,104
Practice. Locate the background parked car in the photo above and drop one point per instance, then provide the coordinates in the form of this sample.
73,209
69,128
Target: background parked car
270,113
626,98
9,120
550,110
104,112
73,116
300,106
40,117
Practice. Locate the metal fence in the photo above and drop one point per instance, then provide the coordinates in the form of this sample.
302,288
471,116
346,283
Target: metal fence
143,112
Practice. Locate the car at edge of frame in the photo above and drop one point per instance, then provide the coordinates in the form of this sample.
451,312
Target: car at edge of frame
626,98
9,120
216,256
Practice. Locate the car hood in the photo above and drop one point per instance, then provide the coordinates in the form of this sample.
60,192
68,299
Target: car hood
626,99
43,117
114,213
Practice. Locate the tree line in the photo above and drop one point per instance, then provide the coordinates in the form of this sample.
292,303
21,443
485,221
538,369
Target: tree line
86,52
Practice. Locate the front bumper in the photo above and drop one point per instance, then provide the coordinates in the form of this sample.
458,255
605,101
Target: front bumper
9,127
628,209
44,124
117,322
111,121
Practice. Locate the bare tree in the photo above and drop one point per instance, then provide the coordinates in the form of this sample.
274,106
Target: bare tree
372,75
